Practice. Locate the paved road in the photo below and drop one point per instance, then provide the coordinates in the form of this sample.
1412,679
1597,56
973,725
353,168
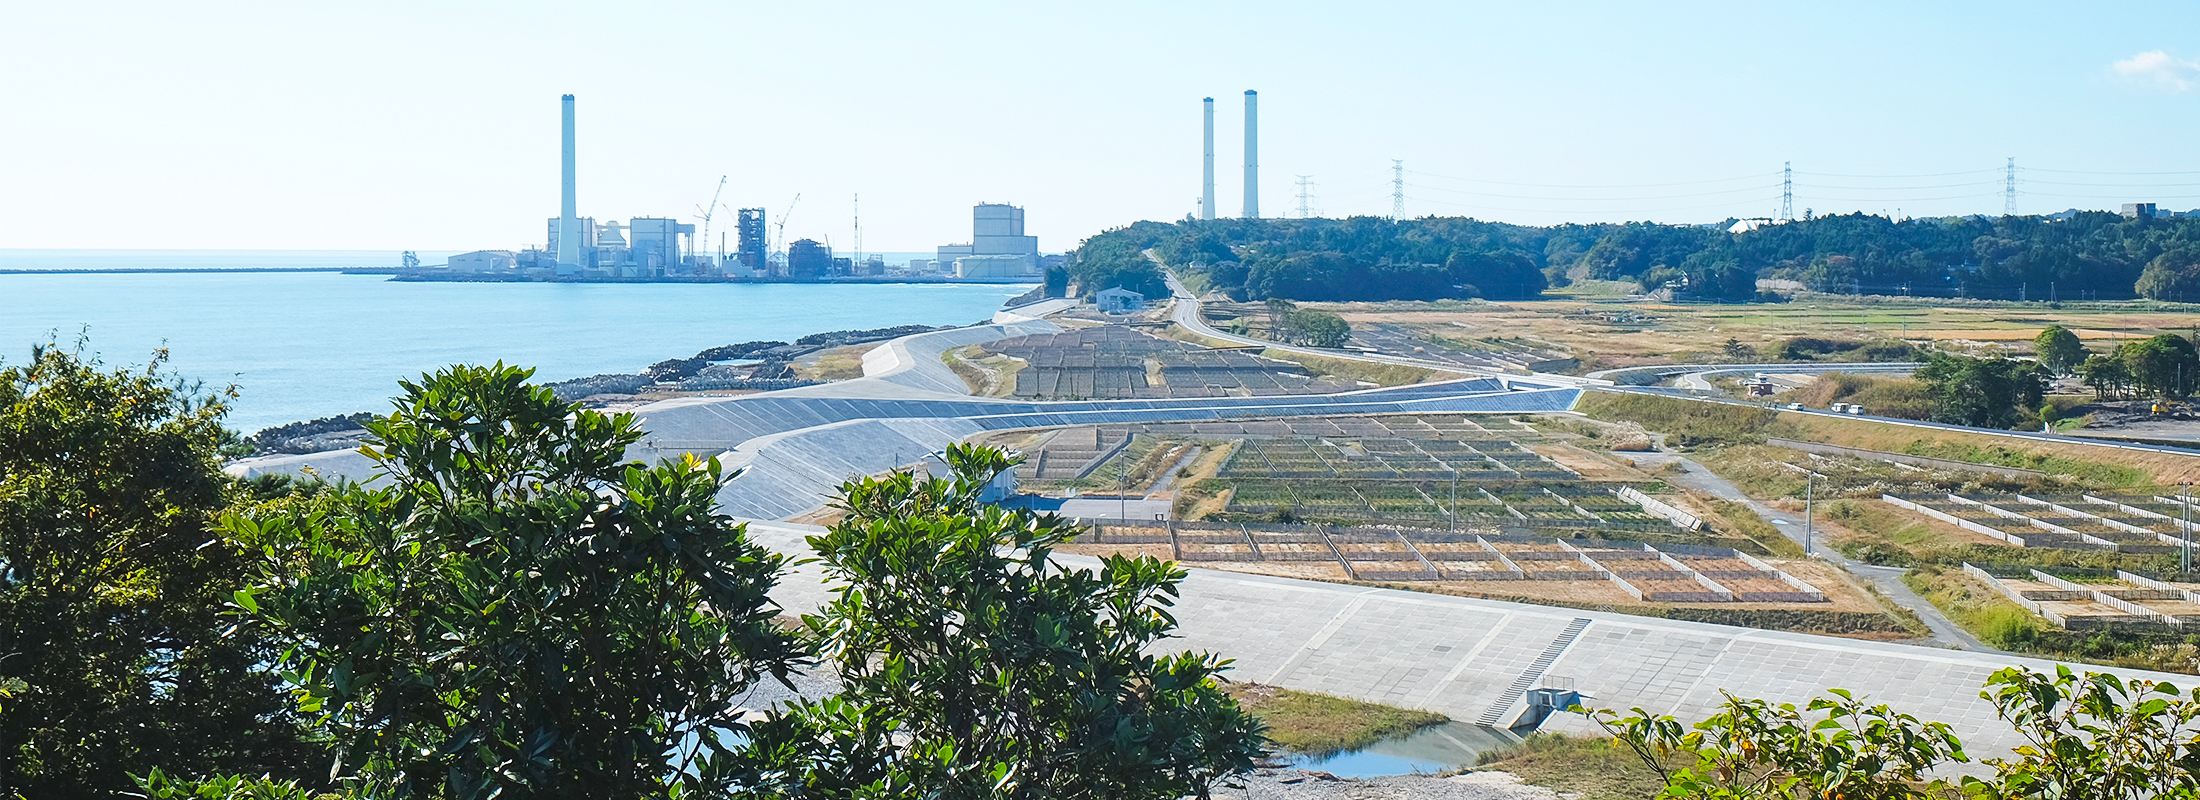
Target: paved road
1887,579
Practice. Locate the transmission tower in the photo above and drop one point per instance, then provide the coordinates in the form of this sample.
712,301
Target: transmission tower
1306,188
1397,189
2009,191
1787,191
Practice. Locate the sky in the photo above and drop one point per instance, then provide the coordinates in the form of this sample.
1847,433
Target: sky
434,126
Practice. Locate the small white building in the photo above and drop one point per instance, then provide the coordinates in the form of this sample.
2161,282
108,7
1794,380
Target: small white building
1119,300
484,261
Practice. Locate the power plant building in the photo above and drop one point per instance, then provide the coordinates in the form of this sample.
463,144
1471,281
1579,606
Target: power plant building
577,247
998,248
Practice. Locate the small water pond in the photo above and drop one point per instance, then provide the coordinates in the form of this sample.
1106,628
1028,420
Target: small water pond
1437,748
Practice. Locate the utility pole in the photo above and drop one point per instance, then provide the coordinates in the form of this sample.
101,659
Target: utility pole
1787,191
1397,189
855,207
2184,501
1810,487
1304,187
1453,513
2009,190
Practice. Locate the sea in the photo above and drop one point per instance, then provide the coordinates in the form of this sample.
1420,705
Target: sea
304,345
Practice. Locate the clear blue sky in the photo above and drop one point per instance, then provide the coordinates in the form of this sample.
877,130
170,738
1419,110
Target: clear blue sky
434,125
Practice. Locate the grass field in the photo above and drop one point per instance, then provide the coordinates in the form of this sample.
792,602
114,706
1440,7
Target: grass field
1320,725
1606,334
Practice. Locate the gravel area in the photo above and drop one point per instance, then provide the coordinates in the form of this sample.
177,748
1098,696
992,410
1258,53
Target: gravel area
1292,784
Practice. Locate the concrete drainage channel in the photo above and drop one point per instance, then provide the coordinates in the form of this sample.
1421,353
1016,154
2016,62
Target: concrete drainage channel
1437,748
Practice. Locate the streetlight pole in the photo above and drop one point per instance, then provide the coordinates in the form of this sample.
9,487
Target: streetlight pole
1453,512
1810,486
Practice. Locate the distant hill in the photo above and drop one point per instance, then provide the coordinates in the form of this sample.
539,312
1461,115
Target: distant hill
2068,256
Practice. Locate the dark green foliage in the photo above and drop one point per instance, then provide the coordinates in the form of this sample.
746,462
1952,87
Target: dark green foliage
1057,282
1981,392
2173,275
2092,254
1118,259
518,611
973,666
1314,329
114,654
2164,365
2059,350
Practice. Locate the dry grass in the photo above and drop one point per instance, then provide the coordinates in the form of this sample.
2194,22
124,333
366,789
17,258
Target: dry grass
1583,767
837,364
1320,725
1669,333
2163,468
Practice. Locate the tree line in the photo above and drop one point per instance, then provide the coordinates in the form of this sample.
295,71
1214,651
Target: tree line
2071,256
514,609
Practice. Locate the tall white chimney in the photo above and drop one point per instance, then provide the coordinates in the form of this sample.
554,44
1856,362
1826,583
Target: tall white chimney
1252,155
569,223
1207,181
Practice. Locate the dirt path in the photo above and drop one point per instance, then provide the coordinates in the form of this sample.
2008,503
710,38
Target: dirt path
1888,580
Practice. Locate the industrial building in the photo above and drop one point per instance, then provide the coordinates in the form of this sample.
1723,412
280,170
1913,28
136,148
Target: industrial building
579,247
998,248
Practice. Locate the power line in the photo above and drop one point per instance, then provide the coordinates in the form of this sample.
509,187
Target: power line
1903,188
1918,175
1591,186
1591,199
2089,172
1732,204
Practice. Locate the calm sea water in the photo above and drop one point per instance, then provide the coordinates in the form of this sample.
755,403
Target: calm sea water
306,345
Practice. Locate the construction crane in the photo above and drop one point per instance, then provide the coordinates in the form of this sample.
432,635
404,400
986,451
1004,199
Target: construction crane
707,212
779,231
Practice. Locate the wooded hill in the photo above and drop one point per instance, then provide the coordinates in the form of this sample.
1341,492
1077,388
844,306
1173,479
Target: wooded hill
2082,255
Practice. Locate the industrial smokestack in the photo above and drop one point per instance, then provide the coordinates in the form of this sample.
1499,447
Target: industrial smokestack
1207,180
1252,155
569,224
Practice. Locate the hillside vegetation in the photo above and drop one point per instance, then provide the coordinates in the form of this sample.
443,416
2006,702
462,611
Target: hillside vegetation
2093,254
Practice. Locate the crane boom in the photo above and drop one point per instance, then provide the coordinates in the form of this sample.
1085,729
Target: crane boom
712,209
779,231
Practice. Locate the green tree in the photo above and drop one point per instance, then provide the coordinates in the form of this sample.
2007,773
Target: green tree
2059,350
1737,352
113,657
1057,282
974,666
1279,309
2164,365
1752,749
1315,329
1979,392
518,611
2173,275
2108,376
2092,736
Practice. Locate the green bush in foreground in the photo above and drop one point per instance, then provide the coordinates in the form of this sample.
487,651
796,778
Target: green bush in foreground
115,654
973,666
519,612
2094,736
